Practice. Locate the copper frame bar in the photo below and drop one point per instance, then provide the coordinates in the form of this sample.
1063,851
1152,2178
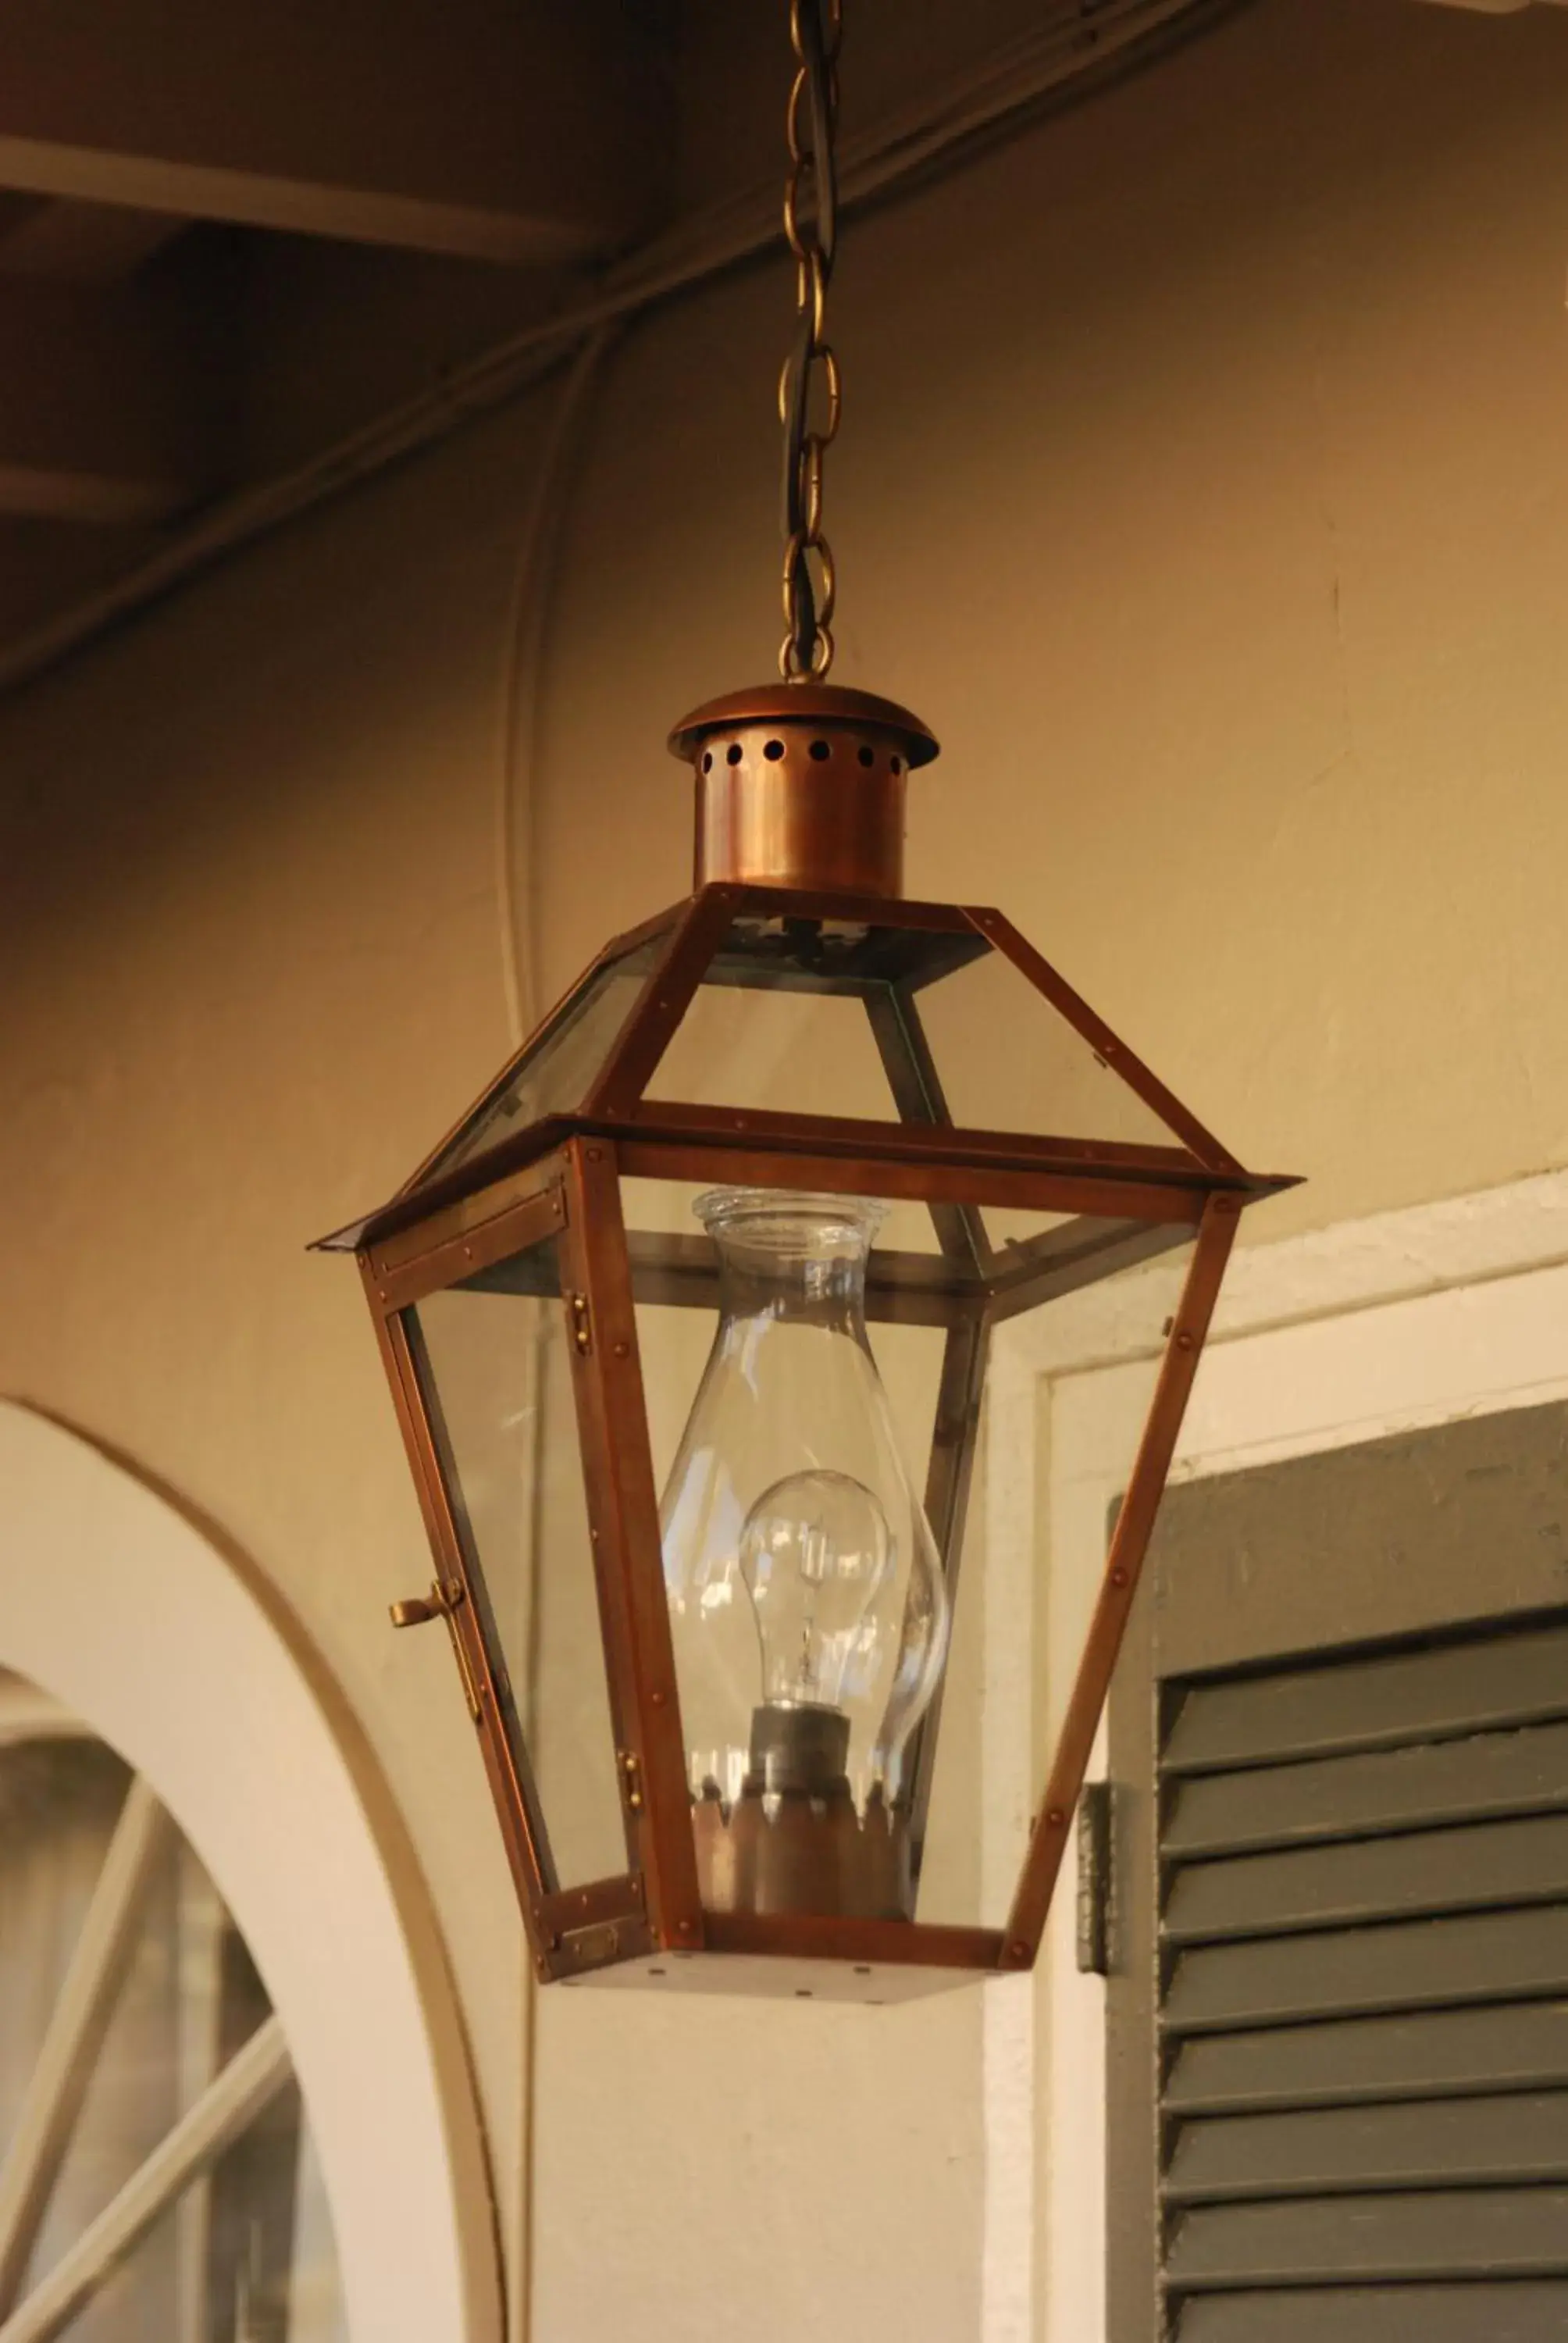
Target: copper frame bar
450,1260
513,1791
917,1143
917,1089
459,1199
623,1506
1118,1583
1106,1045
661,1156
663,1003
915,1944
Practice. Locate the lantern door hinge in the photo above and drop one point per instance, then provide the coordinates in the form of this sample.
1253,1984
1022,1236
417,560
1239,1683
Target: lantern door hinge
630,1779
581,1324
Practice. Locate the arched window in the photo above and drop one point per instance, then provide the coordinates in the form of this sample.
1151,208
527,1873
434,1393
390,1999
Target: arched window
157,2178
203,1855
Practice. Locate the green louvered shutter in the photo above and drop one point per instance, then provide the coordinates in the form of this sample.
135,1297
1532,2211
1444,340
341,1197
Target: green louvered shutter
1363,1997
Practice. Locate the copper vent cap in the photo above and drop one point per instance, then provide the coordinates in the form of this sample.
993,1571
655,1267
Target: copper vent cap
802,785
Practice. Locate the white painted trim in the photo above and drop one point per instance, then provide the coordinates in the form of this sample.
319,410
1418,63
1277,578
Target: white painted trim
121,1609
1402,1319
1005,1486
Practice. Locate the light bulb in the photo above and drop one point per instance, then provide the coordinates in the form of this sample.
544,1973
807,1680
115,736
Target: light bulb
816,1549
809,1615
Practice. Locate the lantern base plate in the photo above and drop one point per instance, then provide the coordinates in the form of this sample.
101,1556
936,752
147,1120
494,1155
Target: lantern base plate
763,1976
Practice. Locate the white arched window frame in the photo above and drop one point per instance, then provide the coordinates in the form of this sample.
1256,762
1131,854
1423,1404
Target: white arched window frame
1399,1321
117,1607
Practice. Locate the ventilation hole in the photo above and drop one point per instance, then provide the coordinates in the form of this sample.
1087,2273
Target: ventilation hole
861,1970
773,751
734,752
867,756
821,751
896,764
656,1973
708,760
803,1993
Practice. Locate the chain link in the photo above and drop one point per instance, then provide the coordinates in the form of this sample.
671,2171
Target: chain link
811,372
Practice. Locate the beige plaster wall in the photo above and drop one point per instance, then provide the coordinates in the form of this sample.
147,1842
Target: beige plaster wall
1204,481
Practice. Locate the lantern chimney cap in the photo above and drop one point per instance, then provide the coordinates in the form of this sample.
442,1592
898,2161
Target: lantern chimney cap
821,704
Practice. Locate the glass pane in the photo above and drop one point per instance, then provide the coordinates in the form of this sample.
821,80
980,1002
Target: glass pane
564,1061
818,1782
766,1030
874,1022
790,1440
793,1015
1081,1365
245,2251
495,1360
1006,1061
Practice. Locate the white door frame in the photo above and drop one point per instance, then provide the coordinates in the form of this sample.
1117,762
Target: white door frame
1400,1321
118,1606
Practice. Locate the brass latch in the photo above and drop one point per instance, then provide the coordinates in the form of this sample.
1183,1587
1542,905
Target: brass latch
418,1610
445,1597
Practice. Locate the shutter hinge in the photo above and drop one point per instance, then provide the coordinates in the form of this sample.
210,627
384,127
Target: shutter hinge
1095,1881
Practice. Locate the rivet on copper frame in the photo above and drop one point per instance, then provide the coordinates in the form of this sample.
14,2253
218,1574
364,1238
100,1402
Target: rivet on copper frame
1119,1578
1184,1340
1054,1817
623,1349
596,1155
1018,1952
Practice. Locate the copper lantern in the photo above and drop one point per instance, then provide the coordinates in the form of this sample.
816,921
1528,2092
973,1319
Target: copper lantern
690,1324
687,1325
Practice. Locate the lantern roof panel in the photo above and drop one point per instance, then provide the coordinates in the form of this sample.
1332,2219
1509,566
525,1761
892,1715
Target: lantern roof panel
913,1014
561,1062
848,1023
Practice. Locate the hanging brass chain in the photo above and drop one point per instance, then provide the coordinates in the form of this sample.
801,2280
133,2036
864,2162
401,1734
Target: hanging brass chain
810,222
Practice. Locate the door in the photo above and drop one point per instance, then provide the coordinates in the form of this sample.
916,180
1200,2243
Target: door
1337,2017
